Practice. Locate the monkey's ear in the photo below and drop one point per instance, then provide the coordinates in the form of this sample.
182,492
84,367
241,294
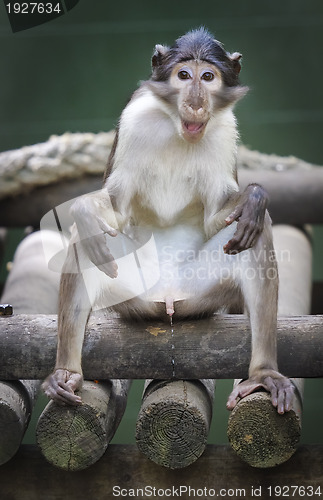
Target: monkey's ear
159,55
235,58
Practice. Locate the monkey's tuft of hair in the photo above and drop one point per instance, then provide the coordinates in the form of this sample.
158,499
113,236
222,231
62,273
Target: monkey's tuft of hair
198,44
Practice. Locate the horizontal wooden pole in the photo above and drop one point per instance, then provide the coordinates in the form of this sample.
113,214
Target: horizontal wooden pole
123,470
217,347
174,421
36,178
75,438
29,207
295,196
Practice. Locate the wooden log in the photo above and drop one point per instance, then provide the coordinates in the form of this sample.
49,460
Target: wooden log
174,421
73,438
124,471
31,288
283,188
70,156
317,297
256,432
29,207
3,237
196,349
295,196
48,174
17,400
259,435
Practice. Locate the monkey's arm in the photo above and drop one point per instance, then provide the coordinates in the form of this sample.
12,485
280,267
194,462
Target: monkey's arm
96,221
248,209
249,212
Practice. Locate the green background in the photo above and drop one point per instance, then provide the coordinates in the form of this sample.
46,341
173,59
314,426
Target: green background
77,72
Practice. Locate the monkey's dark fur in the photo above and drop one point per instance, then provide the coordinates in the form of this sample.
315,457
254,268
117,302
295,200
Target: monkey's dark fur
195,45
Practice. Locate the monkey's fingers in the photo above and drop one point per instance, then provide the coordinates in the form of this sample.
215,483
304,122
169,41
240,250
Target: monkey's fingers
106,228
232,247
241,391
236,244
100,255
110,269
250,238
60,387
234,215
282,393
63,397
233,399
280,388
245,237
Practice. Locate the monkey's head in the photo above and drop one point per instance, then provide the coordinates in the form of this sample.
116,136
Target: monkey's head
199,77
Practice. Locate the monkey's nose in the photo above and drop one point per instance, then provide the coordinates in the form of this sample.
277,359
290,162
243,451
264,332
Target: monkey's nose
197,108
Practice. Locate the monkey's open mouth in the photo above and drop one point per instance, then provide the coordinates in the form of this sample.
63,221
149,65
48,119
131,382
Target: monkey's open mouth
193,129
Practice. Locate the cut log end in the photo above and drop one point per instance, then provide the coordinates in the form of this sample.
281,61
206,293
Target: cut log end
73,438
259,435
12,429
173,424
15,410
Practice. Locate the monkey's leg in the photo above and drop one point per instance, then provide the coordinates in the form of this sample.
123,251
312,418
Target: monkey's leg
74,310
260,292
274,438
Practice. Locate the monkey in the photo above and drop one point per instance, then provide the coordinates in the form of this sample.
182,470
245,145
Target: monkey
172,174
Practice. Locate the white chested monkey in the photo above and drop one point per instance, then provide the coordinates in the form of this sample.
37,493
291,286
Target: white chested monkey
172,173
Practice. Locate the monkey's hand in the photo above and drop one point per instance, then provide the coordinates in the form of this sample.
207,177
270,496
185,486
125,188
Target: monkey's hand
91,218
250,213
97,250
280,388
61,386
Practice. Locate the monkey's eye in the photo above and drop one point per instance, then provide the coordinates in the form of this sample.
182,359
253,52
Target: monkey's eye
208,76
183,75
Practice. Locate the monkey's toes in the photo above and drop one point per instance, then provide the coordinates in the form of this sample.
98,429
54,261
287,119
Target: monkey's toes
282,392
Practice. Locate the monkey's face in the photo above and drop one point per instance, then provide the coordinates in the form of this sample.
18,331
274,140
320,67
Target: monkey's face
196,83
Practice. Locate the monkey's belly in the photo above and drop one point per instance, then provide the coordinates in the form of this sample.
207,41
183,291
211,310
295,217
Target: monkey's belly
175,263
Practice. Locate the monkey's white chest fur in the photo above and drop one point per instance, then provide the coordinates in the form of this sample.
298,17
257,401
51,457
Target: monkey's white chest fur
155,165
169,187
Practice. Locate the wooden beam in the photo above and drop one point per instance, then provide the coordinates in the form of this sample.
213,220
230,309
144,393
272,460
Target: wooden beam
219,472
174,421
295,196
37,178
17,399
217,347
75,437
29,207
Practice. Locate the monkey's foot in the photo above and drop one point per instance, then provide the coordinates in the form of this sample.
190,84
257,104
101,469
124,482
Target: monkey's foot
61,386
280,388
